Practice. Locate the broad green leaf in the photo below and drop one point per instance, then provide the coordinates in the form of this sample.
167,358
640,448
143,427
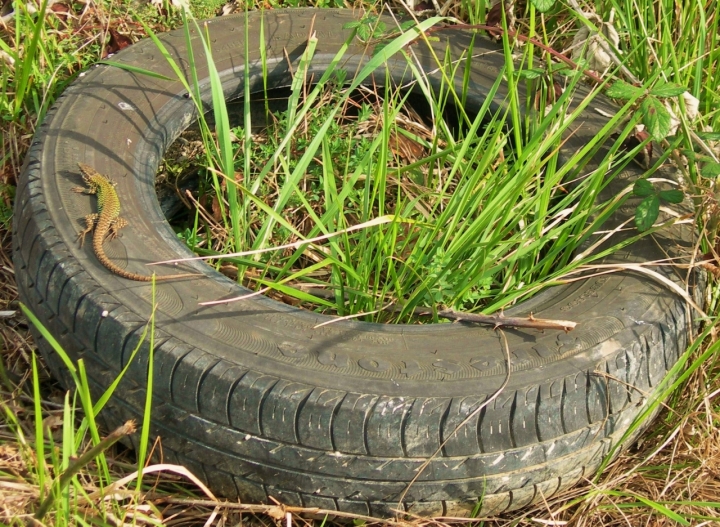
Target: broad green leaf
379,29
530,74
379,47
672,196
622,90
364,32
543,5
667,89
711,170
647,212
656,118
692,156
643,188
709,136
351,25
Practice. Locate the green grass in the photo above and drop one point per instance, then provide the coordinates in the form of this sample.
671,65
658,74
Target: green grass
472,224
56,468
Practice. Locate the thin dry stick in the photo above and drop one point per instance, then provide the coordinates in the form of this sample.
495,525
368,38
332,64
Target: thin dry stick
475,412
497,30
203,212
687,280
295,245
602,239
212,517
655,276
631,388
670,438
274,511
553,521
439,521
161,467
499,320
356,315
237,298
702,144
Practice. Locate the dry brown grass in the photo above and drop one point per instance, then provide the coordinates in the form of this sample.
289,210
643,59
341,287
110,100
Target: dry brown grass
676,462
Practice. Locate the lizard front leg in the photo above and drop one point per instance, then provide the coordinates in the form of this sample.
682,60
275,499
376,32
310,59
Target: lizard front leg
90,189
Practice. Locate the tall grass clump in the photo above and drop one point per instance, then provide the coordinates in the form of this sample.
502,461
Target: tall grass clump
352,201
58,462
67,476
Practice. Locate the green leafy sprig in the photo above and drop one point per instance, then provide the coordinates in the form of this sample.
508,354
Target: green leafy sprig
649,208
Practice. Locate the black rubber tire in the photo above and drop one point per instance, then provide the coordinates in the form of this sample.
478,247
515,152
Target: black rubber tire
258,403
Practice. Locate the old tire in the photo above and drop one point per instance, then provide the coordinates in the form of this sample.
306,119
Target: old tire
258,403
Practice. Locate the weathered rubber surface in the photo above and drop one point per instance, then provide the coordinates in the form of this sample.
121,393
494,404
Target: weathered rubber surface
259,403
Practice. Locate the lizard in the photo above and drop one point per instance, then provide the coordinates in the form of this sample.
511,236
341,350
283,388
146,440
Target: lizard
107,222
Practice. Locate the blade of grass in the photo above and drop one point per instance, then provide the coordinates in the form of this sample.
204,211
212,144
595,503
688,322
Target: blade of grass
222,128
147,411
39,430
27,64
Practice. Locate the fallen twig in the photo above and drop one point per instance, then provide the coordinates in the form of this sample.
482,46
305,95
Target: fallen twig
497,30
499,320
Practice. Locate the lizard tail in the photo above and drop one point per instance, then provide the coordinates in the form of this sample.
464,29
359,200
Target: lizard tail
130,275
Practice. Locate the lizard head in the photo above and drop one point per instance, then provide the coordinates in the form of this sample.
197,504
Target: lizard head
93,178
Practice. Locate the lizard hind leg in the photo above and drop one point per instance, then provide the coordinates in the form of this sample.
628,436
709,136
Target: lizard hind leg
90,222
115,226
